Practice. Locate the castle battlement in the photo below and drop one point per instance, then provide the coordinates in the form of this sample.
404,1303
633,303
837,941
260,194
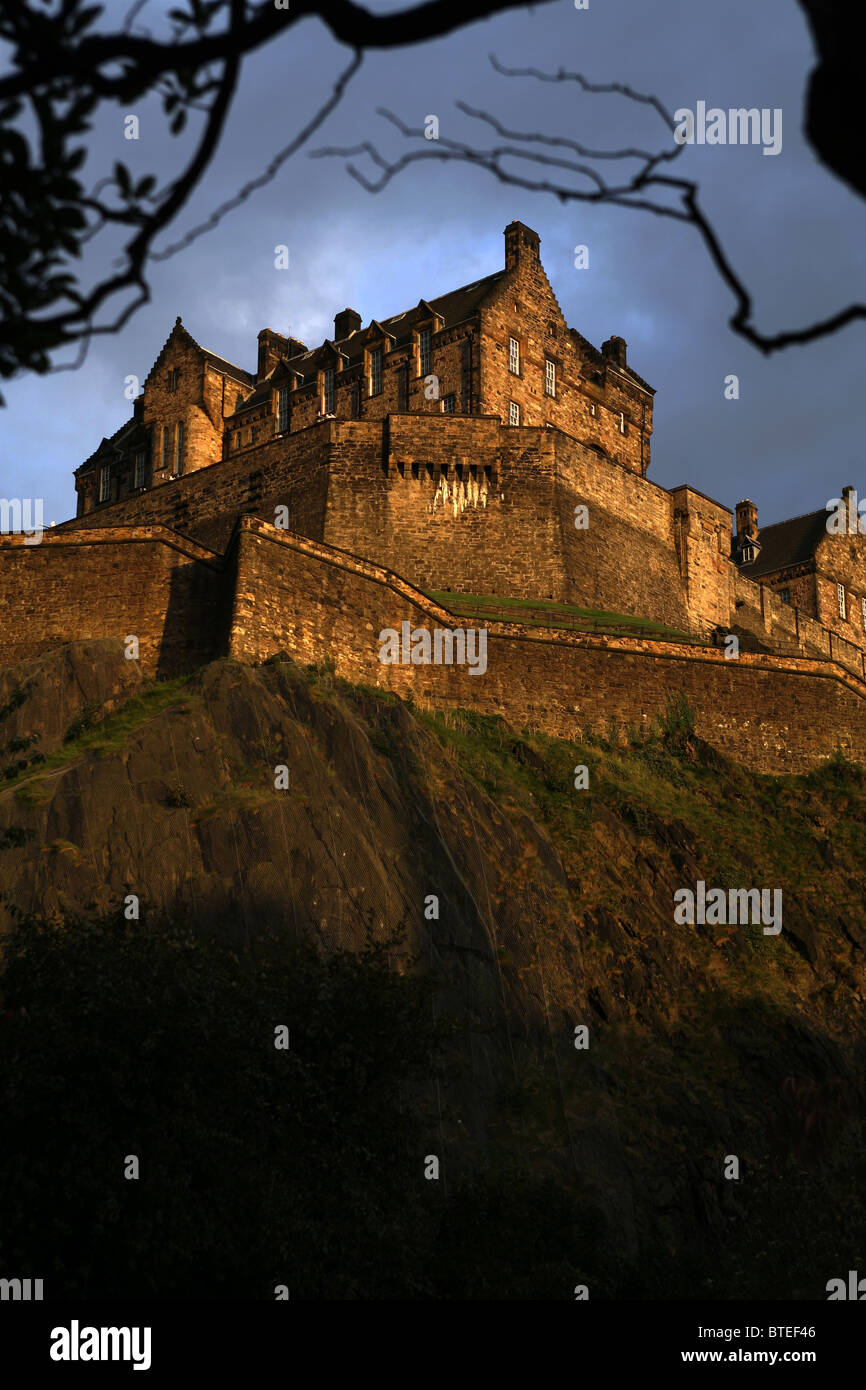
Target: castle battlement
514,468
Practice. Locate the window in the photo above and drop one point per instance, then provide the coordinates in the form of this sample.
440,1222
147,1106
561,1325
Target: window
357,399
403,388
138,475
448,405
623,427
549,378
513,413
173,378
514,356
283,409
863,612
178,449
786,595
328,392
104,483
376,371
166,445
253,433
840,595
237,439
425,351
592,409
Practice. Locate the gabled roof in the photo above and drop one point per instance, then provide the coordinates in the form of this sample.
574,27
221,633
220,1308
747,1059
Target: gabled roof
792,542
220,363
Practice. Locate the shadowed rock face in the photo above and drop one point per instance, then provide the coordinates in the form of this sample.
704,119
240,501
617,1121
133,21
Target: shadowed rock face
555,906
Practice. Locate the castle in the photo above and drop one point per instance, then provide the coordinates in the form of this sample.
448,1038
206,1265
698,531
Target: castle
474,456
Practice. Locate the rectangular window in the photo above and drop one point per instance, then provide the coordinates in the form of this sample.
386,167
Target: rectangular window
514,356
253,433
513,413
786,595
138,477
328,392
178,449
592,407
376,372
549,378
840,595
623,429
403,388
104,483
173,378
283,409
448,405
863,612
237,439
166,445
425,351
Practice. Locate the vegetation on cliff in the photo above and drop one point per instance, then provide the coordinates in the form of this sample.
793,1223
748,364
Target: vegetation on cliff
417,1028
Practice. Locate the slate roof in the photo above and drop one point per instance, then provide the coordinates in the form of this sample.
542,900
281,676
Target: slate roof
111,444
787,543
228,368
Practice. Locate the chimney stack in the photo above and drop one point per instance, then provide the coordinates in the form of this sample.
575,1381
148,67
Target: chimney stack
522,245
346,322
615,350
272,346
747,519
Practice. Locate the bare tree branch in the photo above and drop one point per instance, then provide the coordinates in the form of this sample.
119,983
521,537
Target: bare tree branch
683,204
61,71
272,169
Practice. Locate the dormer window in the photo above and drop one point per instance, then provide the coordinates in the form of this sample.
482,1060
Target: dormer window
104,483
747,554
328,391
283,409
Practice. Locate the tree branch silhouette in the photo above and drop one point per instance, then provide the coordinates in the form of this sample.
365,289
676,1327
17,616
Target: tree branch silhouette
649,188
61,70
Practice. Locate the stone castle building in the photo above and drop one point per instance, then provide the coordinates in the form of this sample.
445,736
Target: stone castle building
497,347
472,446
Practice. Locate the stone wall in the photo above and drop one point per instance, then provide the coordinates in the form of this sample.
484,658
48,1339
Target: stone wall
776,714
112,583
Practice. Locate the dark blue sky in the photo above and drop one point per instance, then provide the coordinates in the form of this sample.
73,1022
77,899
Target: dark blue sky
794,233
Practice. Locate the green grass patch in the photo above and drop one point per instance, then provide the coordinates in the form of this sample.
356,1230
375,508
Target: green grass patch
90,734
570,614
